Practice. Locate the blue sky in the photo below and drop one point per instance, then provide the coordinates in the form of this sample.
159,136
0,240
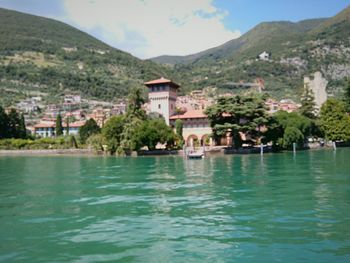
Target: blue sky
148,28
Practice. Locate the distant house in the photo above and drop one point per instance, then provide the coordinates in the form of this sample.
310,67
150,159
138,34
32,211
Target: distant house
264,56
72,99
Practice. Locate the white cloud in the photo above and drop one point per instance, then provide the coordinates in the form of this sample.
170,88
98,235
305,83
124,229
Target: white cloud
148,28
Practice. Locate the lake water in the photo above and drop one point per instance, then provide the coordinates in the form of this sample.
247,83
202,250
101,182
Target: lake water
240,208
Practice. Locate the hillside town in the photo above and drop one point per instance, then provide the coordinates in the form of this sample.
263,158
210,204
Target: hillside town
75,111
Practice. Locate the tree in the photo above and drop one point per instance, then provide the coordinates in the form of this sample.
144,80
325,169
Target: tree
13,124
67,126
96,142
4,122
89,128
274,132
22,130
334,120
72,142
347,95
294,128
112,132
236,115
131,125
308,104
179,130
286,128
135,102
179,127
293,135
59,127
134,118
152,132
294,119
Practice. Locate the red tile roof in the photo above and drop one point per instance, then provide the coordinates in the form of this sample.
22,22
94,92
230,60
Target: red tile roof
193,114
45,125
161,81
76,124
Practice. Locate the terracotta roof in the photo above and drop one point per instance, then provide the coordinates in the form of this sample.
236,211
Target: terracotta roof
76,124
45,125
161,81
193,114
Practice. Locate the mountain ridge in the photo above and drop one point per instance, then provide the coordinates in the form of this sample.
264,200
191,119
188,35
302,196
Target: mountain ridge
49,56
303,25
296,50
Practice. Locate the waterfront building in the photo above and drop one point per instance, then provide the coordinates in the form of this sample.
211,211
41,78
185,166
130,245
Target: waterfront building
196,127
163,96
46,129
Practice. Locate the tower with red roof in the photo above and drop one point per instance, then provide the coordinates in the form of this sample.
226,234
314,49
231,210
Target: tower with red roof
162,96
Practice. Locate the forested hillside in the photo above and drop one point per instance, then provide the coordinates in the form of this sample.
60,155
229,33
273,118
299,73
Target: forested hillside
296,50
40,55
43,55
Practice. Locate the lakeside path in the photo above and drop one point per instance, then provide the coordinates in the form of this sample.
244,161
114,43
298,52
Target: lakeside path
48,152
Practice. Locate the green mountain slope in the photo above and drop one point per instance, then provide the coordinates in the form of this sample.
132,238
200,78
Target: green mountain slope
260,37
44,55
297,49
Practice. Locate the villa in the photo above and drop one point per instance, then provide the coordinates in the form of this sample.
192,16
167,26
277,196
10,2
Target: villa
196,125
48,128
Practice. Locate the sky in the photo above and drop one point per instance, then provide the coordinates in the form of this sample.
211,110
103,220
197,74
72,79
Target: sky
149,28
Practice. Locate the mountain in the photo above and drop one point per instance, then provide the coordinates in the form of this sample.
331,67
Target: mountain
43,56
296,50
260,37
38,54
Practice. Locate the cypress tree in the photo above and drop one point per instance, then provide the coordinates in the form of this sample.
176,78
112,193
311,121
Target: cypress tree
59,128
22,130
67,126
308,104
347,95
4,124
13,124
179,127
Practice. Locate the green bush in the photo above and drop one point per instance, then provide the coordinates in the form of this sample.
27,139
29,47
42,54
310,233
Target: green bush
43,143
292,135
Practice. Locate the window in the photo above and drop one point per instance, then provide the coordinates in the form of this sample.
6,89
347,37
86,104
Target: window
158,106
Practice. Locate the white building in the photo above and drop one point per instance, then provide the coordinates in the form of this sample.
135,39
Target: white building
264,56
48,128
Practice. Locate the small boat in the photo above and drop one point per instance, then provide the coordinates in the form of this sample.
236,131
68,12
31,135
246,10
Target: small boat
195,155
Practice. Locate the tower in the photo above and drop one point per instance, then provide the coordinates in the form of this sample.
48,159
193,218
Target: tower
162,95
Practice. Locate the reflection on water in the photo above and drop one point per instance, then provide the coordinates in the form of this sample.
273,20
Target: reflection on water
169,209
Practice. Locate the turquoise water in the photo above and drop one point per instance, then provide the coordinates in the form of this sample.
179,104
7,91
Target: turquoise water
278,208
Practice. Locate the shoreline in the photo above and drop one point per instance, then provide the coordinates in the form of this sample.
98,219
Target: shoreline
90,152
46,152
